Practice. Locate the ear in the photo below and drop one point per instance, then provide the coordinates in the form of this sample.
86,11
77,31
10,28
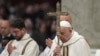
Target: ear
70,30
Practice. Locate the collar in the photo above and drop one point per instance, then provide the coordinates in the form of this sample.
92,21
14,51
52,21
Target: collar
25,37
75,37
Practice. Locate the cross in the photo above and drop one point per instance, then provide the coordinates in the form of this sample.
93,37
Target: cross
57,14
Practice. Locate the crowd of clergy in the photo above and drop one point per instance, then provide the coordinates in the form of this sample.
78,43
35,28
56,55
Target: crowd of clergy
19,39
29,31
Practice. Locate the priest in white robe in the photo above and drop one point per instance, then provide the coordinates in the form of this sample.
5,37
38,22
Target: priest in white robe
71,44
23,45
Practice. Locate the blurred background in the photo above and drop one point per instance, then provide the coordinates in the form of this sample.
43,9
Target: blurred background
85,16
34,13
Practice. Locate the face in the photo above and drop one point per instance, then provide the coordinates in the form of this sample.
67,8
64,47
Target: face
17,33
65,34
66,18
5,28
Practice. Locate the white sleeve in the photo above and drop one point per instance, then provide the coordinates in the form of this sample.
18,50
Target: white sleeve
53,46
45,52
14,53
31,50
49,51
5,52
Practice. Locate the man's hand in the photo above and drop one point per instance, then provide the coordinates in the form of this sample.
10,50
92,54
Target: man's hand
49,42
57,51
10,48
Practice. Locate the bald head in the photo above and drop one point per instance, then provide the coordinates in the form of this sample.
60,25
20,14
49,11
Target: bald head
5,27
66,18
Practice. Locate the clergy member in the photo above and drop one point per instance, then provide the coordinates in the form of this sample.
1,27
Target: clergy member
73,44
23,45
65,16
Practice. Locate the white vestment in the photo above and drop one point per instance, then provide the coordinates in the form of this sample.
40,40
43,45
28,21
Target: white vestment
77,46
32,49
97,52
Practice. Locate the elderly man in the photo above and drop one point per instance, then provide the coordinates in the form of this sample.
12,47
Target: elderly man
6,35
51,44
23,45
73,44
65,16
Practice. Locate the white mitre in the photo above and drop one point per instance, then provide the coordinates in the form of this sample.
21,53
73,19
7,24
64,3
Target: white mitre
65,24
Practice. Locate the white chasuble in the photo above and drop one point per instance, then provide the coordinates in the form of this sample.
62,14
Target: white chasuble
77,46
24,47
